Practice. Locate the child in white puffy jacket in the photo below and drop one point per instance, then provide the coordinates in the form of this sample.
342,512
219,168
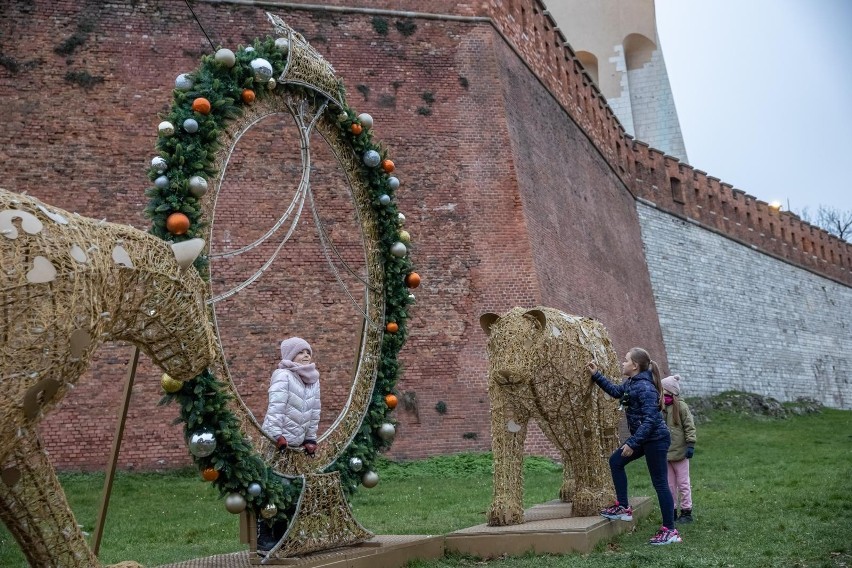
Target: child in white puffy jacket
293,414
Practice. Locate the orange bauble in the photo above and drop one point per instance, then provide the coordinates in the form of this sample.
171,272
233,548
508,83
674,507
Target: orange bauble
392,327
387,165
391,401
412,280
177,223
356,128
201,105
248,96
210,474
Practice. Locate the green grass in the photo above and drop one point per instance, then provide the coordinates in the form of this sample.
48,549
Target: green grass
767,493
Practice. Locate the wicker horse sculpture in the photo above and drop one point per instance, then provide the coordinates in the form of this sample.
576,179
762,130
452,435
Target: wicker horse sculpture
68,283
537,362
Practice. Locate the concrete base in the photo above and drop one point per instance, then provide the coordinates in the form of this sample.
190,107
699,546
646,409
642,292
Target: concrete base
548,529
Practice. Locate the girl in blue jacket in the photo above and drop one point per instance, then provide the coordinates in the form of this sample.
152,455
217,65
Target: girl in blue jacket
641,396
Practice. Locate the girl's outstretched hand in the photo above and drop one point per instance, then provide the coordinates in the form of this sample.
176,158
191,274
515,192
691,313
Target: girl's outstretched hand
592,367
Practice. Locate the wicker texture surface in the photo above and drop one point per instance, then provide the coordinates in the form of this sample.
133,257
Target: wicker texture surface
537,370
68,284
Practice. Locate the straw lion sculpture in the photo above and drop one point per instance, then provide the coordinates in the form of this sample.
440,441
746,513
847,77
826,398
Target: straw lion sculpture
68,283
537,362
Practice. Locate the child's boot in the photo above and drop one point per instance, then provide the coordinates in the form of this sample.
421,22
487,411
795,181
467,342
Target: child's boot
685,516
266,540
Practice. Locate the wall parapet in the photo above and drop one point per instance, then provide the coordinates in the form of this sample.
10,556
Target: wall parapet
648,173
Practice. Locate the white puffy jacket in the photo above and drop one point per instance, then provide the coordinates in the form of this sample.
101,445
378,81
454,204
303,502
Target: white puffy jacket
294,408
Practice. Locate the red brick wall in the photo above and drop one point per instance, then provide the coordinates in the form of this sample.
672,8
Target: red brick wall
510,199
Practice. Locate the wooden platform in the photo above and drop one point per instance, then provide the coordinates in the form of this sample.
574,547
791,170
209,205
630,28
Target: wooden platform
549,529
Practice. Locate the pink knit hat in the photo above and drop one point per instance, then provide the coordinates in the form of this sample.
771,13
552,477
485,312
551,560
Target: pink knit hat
291,347
672,384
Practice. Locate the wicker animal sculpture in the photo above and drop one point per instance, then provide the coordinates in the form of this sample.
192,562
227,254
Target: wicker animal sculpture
536,370
67,284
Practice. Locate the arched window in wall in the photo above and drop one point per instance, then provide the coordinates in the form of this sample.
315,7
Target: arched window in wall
638,50
590,63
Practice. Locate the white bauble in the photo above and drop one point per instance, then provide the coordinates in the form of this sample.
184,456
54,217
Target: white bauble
372,158
282,44
262,69
225,57
166,128
398,249
197,186
159,164
366,120
190,125
387,431
235,503
183,82
370,479
161,182
384,199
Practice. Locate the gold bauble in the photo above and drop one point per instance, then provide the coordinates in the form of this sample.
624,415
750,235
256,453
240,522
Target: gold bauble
169,384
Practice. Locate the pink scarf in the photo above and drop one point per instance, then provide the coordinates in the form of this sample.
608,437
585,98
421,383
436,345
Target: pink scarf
308,373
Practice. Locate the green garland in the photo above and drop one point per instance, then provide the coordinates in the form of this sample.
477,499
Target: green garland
204,401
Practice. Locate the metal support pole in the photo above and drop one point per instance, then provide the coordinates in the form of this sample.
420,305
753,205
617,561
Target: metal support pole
116,448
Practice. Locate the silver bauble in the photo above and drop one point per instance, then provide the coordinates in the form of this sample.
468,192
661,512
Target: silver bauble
262,69
235,503
202,444
159,164
282,44
197,186
271,84
166,128
225,57
161,182
342,116
370,479
393,182
411,298
366,120
190,125
355,464
249,49
398,249
384,199
269,511
372,158
401,218
254,489
183,82
387,432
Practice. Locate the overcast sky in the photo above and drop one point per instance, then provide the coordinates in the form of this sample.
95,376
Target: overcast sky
763,90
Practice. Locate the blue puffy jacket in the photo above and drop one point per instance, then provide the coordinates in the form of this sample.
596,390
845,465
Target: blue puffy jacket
642,406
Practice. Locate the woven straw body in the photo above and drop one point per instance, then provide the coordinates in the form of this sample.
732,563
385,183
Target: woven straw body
537,370
69,283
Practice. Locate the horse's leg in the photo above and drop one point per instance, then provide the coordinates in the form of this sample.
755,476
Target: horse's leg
34,509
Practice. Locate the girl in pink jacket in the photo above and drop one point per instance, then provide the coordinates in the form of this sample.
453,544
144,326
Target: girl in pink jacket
293,414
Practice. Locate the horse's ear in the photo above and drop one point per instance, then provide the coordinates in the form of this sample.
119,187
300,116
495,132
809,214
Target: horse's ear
486,321
539,317
187,251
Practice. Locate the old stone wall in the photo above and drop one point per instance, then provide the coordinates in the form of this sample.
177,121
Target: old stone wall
736,318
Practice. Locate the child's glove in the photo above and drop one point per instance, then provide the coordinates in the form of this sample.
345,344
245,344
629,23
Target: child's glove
310,447
689,452
281,442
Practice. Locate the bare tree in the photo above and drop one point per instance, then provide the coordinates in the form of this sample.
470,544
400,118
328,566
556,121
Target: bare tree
835,222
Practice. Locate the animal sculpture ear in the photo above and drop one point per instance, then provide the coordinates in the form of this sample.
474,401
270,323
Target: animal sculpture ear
539,317
187,251
486,321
